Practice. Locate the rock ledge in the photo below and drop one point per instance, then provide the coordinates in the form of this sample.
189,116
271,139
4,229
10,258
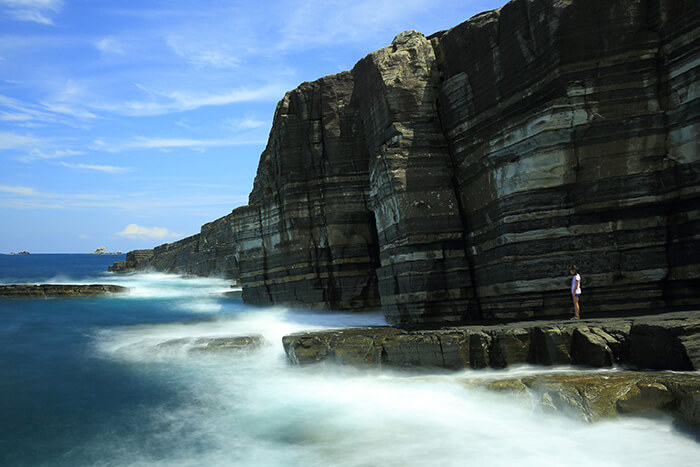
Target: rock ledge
59,290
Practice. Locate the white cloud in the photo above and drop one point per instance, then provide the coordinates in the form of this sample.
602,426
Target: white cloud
19,190
10,140
109,45
23,197
140,143
160,103
212,55
37,154
21,113
38,11
97,168
245,123
137,231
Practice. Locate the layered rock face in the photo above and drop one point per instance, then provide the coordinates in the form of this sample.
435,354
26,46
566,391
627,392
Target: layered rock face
457,177
574,127
207,253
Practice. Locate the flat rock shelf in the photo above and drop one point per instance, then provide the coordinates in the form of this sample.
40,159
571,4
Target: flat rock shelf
670,341
59,290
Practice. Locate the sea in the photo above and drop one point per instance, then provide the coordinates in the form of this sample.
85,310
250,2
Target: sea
116,381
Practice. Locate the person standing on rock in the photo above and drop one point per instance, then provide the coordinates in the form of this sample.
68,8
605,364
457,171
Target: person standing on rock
575,291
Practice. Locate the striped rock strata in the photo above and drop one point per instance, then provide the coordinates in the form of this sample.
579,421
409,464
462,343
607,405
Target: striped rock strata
456,177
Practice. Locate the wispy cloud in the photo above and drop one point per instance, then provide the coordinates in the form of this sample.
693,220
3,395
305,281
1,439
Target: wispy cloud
19,113
25,197
140,143
245,123
38,11
110,46
46,154
28,147
165,102
137,231
98,168
19,190
9,140
203,55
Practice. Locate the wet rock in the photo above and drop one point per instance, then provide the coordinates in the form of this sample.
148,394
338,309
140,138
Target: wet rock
595,396
59,290
217,344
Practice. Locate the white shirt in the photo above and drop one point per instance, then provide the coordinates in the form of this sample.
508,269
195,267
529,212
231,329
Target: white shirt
576,283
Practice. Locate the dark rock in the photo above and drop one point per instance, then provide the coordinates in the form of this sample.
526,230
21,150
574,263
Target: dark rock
59,290
667,345
591,347
510,347
455,178
552,345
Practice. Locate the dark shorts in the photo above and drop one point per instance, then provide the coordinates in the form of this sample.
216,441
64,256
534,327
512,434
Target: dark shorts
578,294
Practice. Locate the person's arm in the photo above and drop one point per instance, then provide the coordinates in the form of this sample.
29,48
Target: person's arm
573,292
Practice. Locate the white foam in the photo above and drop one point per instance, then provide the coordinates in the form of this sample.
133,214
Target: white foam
256,409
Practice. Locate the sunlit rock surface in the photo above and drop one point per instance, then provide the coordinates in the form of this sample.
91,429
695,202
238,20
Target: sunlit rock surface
597,396
454,178
661,342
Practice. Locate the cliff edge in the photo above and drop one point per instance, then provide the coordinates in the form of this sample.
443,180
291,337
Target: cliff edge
454,178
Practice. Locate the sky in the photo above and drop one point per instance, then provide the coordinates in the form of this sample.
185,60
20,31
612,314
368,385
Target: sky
128,124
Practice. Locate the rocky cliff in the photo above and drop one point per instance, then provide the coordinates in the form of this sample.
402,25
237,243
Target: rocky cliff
456,177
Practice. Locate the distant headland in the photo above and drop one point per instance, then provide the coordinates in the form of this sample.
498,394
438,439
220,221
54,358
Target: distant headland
103,251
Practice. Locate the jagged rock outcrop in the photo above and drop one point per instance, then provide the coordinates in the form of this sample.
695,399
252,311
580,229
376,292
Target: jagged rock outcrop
661,342
59,290
456,177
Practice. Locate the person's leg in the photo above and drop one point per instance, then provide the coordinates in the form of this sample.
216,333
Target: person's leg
577,310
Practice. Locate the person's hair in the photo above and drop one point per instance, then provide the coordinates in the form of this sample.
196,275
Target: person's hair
574,268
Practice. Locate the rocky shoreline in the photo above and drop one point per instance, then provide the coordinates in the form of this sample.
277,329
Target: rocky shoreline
656,342
59,290
669,341
592,397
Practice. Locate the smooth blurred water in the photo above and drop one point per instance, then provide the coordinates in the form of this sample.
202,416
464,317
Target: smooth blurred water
88,381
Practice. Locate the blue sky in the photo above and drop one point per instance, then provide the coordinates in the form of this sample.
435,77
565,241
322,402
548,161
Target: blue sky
129,124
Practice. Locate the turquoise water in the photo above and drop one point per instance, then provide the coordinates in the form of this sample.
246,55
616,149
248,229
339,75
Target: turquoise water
89,381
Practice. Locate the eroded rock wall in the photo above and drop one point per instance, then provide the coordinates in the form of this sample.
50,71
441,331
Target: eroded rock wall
308,236
457,177
574,125
210,252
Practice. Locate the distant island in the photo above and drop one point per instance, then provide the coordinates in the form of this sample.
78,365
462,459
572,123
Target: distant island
20,253
103,251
